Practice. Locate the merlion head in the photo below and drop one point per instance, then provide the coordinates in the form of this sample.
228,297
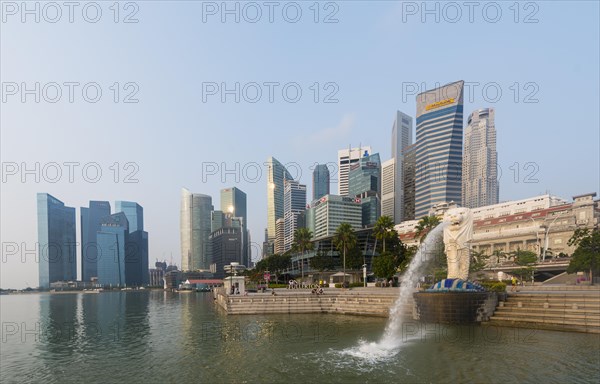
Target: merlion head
457,217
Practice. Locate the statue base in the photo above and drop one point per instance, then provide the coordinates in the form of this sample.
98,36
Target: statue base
454,301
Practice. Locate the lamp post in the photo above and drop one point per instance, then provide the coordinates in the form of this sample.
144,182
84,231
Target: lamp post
547,233
537,239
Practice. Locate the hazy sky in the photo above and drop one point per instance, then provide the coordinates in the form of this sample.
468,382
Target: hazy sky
537,64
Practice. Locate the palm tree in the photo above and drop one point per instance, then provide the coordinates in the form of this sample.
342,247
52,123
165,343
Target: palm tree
344,239
384,228
426,224
302,243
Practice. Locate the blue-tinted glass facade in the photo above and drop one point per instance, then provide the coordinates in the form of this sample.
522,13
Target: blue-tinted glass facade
112,239
90,225
364,182
56,240
134,213
320,181
439,144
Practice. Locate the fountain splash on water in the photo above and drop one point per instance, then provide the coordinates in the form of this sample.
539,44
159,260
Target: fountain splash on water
392,337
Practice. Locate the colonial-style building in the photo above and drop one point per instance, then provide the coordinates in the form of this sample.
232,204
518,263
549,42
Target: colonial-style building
542,224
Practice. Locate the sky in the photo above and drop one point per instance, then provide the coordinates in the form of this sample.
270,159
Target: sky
138,101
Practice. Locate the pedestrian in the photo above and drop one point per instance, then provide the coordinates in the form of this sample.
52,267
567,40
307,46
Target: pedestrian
514,284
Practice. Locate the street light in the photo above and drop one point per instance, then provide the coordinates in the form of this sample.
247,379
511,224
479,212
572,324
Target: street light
547,232
537,239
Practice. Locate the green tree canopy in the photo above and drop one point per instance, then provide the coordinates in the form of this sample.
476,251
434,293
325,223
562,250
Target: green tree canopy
385,265
344,239
586,256
302,243
384,230
322,262
426,224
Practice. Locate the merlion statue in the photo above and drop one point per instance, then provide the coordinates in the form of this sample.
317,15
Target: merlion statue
457,236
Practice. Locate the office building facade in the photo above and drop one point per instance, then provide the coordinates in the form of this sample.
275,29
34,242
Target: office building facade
56,240
388,185
402,137
233,201
480,160
439,144
195,228
91,217
347,157
276,174
112,240
320,186
364,183
294,205
327,213
408,184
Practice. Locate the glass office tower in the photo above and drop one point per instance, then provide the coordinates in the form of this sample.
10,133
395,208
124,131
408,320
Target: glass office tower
56,240
90,225
439,147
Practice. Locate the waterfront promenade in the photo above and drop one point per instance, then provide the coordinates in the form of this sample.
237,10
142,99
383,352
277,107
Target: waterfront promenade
560,307
355,301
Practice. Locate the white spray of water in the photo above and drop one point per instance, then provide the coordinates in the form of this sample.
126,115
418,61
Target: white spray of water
392,338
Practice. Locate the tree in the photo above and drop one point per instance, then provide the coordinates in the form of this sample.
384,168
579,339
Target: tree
586,256
344,239
384,230
525,259
302,243
322,262
354,258
479,261
385,265
426,224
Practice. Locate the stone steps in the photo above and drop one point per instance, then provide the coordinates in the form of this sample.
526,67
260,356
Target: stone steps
559,311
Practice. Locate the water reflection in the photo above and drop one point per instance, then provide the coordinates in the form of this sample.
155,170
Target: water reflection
168,337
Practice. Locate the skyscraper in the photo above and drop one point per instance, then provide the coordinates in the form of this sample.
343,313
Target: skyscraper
276,174
388,185
402,137
233,202
112,240
136,251
195,227
408,174
439,147
347,157
480,160
90,225
56,240
326,214
278,247
134,213
294,204
364,182
320,181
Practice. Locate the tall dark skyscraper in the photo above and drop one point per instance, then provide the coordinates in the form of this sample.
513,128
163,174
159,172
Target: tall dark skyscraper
90,225
320,180
112,241
57,241
233,202
137,243
124,259
439,147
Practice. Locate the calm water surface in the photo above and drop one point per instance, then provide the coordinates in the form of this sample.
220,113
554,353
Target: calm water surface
155,336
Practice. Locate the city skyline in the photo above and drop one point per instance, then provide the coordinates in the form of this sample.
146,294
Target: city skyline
173,138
